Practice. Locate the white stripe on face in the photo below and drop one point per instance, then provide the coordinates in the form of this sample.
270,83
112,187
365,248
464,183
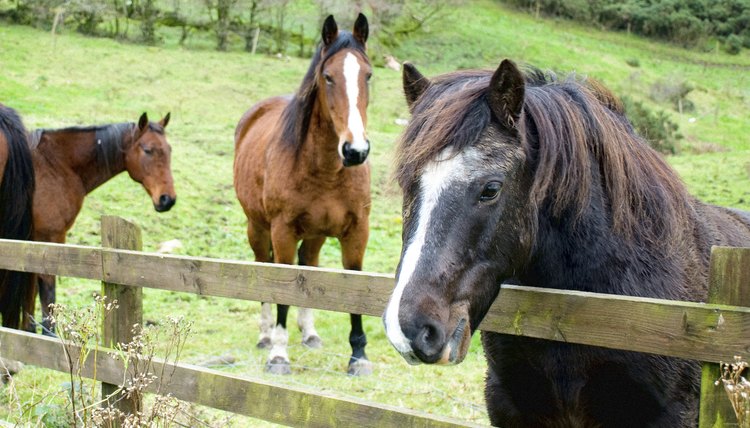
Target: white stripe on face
435,178
356,125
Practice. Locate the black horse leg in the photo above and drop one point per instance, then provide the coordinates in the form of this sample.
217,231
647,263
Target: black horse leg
46,298
278,359
359,365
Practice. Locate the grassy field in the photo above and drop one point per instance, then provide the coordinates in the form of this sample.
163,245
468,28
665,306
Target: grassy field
73,80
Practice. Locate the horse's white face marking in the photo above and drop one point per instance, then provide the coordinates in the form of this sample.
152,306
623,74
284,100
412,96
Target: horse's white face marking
356,125
435,178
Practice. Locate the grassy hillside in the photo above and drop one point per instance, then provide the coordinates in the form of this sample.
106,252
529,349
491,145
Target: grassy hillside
72,80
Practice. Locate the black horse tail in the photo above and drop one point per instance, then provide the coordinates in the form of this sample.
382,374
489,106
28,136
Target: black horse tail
17,289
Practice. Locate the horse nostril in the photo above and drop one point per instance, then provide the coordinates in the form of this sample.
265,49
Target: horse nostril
429,342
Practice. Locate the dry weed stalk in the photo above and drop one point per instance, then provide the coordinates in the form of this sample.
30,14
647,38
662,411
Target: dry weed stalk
737,388
79,332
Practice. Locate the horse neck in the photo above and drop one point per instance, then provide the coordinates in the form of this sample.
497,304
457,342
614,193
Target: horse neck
92,155
589,256
320,149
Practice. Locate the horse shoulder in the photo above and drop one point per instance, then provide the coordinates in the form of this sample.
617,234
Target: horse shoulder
58,196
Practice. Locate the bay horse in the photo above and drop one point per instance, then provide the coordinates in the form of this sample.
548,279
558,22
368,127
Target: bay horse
300,174
525,177
16,214
71,162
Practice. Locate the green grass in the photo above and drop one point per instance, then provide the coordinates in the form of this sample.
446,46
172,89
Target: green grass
70,79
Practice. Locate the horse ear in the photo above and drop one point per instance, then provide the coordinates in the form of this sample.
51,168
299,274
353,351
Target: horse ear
361,29
143,122
165,120
506,94
414,83
330,30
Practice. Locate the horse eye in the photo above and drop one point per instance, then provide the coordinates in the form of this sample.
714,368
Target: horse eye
368,77
490,191
147,150
329,79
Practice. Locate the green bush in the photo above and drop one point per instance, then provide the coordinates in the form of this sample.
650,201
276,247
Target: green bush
656,127
733,44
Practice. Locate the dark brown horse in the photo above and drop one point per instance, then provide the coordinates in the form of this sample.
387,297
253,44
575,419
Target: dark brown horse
71,162
520,177
16,219
300,175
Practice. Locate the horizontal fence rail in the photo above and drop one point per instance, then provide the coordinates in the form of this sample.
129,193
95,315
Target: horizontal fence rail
242,395
706,332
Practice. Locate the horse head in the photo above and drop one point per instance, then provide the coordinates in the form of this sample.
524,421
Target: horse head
462,169
343,80
148,161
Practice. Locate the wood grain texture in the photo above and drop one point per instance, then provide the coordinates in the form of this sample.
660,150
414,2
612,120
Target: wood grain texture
706,332
54,259
729,283
292,406
117,327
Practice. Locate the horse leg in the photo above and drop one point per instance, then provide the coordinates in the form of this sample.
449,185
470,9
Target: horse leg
46,298
353,252
284,245
29,304
260,242
308,256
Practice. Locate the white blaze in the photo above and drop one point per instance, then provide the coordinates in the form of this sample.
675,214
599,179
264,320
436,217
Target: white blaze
435,178
356,125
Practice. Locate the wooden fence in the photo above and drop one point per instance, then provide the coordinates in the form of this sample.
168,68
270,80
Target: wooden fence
709,332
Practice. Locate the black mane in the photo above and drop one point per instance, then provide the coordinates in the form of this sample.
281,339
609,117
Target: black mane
569,127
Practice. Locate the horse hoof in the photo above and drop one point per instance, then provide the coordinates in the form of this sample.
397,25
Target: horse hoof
264,343
313,342
278,366
360,367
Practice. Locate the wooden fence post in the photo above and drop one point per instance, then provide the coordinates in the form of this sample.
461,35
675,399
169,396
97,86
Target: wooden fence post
117,327
728,284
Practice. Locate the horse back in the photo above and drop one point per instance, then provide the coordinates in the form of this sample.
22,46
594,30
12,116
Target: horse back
723,226
267,111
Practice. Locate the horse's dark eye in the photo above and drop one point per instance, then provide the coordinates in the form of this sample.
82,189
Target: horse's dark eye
328,78
147,150
490,191
368,77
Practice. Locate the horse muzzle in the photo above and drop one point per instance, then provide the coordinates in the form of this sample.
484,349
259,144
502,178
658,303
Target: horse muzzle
352,156
165,203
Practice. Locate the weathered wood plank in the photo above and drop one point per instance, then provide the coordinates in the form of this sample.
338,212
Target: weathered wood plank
118,324
690,330
329,289
729,283
54,259
292,406
679,329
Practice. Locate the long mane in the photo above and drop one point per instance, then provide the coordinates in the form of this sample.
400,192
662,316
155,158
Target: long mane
295,119
575,136
110,139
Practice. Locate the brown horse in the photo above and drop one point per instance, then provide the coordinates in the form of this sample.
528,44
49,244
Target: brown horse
300,175
524,177
16,208
71,162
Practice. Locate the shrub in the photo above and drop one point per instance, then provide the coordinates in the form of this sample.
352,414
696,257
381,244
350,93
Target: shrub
656,127
733,44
